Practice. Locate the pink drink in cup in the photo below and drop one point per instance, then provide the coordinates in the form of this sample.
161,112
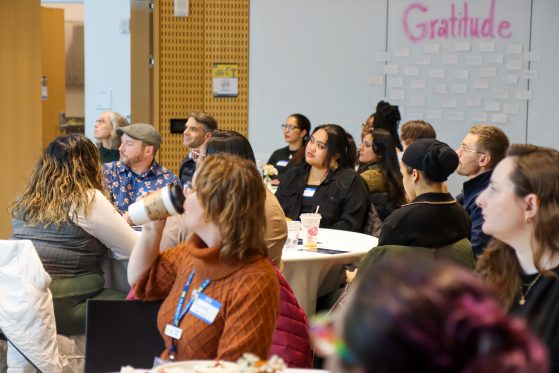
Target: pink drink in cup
310,224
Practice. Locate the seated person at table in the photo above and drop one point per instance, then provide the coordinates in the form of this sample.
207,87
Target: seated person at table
136,172
521,210
326,181
224,262
296,131
414,314
231,142
379,168
72,225
105,133
433,218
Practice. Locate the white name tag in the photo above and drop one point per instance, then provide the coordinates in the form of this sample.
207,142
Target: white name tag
173,331
205,308
309,192
282,163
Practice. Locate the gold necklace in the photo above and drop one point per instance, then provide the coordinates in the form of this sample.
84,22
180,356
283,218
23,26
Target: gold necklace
317,182
430,203
523,295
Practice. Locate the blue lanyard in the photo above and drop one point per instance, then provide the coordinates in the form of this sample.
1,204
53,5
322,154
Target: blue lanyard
180,312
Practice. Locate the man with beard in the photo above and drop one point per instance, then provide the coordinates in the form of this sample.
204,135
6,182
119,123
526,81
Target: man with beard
198,129
136,172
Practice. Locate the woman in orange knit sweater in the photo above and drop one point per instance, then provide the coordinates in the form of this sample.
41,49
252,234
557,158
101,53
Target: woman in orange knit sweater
236,301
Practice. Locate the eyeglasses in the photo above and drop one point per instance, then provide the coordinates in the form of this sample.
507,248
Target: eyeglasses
464,149
289,127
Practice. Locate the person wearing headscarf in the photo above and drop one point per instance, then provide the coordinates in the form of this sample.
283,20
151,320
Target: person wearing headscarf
433,218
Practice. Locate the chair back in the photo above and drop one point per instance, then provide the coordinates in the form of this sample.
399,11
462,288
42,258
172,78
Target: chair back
459,252
26,310
120,333
291,339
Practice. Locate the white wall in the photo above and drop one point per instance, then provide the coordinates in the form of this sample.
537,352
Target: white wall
107,58
543,111
318,57
312,57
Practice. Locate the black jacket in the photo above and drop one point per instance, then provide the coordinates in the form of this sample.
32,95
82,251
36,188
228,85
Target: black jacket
342,197
186,170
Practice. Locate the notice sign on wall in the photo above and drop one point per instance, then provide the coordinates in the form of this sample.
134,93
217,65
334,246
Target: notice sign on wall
225,80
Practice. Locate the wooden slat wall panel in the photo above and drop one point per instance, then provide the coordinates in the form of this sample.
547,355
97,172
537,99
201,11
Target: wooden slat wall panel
216,31
181,73
227,28
20,99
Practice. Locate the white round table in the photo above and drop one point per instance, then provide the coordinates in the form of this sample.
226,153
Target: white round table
313,274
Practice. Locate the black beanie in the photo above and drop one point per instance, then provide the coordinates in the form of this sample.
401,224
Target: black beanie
435,159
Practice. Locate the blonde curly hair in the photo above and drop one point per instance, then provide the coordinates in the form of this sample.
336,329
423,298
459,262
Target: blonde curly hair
68,169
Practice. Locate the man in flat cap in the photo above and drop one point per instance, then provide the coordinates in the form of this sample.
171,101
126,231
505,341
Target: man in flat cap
136,172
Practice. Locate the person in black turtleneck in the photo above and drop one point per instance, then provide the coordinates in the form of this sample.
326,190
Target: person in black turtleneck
433,218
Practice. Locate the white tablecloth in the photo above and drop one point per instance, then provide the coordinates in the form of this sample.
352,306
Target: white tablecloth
312,274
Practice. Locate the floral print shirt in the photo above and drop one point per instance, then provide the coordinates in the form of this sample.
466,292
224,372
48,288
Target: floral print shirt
124,186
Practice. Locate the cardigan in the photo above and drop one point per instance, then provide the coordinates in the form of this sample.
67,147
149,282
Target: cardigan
248,293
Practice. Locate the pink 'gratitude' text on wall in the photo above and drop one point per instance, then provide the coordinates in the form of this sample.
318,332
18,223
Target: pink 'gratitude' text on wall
460,24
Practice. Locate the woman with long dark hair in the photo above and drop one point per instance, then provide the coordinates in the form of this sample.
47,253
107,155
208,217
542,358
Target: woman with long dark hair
326,181
379,168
